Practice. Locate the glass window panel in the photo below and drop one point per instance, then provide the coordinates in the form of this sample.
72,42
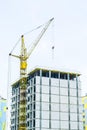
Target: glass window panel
45,97
45,80
37,88
73,117
73,100
54,82
72,84
64,116
37,114
54,107
37,80
37,97
36,129
64,91
73,125
64,107
73,92
63,83
55,115
37,105
55,90
73,108
45,89
45,114
54,124
64,125
63,99
55,98
45,123
30,124
45,106
37,123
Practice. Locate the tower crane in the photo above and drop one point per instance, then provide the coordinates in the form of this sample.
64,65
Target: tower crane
24,55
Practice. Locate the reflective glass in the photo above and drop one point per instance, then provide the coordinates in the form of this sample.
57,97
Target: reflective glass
55,98
45,89
64,116
63,83
64,125
54,107
45,97
64,99
45,106
64,91
55,115
54,124
45,114
55,90
45,123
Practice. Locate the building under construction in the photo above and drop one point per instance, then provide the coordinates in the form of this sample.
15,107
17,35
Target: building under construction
45,99
53,99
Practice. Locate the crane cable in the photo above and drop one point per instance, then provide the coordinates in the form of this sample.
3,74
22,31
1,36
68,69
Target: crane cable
25,34
34,29
14,46
53,40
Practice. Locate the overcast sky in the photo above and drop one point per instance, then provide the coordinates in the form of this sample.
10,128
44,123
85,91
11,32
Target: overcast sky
68,33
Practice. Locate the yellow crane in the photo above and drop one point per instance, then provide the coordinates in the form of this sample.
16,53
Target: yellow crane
24,55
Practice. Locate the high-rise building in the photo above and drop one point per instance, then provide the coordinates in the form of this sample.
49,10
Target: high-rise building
2,113
53,100
84,107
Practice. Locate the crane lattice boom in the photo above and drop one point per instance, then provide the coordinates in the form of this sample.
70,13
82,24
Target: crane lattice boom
24,55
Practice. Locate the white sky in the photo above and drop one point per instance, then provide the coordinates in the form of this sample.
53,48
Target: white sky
70,35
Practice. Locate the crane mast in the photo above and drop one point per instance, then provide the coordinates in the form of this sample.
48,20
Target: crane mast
24,55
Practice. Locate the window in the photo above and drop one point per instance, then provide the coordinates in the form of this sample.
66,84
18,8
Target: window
34,80
34,89
54,75
33,123
28,123
28,115
63,76
28,99
45,73
28,90
33,114
33,106
34,97
72,76
13,91
37,73
28,107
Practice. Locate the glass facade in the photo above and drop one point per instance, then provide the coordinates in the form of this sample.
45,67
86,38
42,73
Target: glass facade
53,101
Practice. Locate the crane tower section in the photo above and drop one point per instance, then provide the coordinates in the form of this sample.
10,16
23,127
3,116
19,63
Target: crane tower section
24,55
